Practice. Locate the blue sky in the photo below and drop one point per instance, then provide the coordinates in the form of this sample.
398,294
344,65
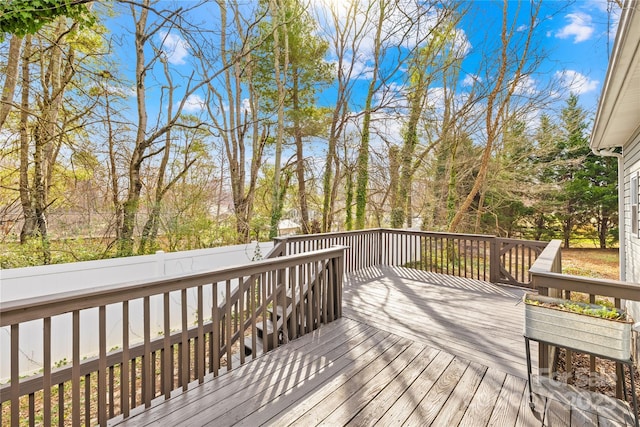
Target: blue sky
576,37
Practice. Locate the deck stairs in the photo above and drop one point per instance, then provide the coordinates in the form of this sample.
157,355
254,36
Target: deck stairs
278,317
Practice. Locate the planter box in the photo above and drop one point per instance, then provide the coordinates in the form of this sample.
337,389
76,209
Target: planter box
595,335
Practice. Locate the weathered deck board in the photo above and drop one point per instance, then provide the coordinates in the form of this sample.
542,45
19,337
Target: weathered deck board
406,353
445,312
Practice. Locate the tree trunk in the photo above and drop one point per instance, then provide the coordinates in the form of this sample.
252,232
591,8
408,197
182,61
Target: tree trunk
280,76
132,202
567,227
395,198
29,226
11,78
362,168
498,101
603,230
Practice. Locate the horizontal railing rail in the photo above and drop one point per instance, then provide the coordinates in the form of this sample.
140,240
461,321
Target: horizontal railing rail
92,390
548,279
475,256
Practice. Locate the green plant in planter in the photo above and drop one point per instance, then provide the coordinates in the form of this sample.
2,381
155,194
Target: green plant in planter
601,311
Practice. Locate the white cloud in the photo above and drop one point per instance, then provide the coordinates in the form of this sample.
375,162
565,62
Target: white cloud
246,105
576,82
175,48
194,104
580,27
522,28
470,79
526,86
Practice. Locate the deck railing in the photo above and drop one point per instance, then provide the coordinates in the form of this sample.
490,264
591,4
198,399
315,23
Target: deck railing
548,280
475,256
239,301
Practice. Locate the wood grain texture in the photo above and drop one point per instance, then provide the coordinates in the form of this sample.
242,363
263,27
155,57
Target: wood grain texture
407,352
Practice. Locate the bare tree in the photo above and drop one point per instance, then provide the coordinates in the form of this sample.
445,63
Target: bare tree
148,134
506,78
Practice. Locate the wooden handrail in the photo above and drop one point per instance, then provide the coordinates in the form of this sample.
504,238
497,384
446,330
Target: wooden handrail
140,372
477,256
24,310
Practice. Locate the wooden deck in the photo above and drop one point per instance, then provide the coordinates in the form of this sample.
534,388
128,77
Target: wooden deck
413,348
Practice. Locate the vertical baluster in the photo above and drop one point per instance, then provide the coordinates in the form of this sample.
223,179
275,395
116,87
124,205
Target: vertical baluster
211,340
478,263
215,319
15,374
263,290
240,317
282,294
472,257
112,395
301,306
61,405
227,319
448,252
32,410
332,290
310,291
167,368
458,256
184,342
201,339
102,365
154,372
529,266
75,369
124,370
146,357
87,400
254,282
484,260
294,304
46,374
275,288
133,382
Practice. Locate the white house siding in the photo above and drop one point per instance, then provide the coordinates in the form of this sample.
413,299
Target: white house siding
631,168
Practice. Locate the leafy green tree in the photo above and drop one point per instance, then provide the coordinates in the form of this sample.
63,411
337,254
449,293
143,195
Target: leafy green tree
292,47
22,17
595,187
572,150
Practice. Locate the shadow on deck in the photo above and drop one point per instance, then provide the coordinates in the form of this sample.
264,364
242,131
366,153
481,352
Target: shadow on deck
413,348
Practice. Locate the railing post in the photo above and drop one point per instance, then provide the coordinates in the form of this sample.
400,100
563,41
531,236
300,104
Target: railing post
380,232
494,260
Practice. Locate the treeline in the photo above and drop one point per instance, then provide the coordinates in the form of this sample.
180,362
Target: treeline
145,125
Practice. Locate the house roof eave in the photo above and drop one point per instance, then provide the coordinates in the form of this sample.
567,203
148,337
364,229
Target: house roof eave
618,115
